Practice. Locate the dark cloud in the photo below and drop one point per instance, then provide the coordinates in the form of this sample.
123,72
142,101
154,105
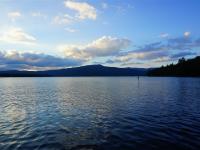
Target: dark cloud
179,43
168,50
182,54
131,63
197,42
156,46
16,60
112,61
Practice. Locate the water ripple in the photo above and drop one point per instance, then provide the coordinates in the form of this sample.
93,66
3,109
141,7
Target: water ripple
99,113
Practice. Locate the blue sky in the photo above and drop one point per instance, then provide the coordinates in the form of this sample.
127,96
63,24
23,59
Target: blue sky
52,34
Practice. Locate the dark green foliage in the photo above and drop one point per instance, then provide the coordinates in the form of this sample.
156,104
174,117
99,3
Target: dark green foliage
190,67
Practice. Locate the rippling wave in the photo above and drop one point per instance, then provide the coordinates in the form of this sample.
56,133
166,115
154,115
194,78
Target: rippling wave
99,113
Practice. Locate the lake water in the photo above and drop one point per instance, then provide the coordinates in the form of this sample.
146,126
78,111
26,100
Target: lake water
99,113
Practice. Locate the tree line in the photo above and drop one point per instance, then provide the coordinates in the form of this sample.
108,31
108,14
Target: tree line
189,67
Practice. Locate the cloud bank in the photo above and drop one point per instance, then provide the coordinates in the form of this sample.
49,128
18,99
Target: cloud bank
17,36
33,61
104,46
167,50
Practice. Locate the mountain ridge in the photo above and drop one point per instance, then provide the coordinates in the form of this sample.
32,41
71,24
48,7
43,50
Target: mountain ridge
88,70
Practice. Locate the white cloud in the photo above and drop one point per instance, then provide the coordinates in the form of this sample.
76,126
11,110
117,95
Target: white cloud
17,35
63,19
84,10
104,46
164,35
70,30
14,15
104,5
187,34
143,55
38,14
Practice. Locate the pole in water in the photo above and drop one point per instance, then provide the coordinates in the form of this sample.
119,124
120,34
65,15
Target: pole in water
138,77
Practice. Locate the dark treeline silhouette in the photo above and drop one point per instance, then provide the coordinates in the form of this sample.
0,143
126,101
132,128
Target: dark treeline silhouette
183,68
90,70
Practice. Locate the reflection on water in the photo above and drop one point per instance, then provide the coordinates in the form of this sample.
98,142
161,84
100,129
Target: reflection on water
99,113
13,113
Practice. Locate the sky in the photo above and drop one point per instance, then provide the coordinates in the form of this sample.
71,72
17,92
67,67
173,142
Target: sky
54,34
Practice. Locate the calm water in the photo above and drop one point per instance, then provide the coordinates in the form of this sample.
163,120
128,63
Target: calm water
99,113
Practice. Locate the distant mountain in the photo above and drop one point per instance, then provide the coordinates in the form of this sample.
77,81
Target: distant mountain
190,67
90,70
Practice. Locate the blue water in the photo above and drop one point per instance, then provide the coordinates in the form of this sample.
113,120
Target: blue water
99,113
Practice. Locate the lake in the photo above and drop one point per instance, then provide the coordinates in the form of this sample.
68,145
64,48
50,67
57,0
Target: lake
100,113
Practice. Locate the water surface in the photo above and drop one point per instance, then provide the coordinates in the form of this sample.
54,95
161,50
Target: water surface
99,113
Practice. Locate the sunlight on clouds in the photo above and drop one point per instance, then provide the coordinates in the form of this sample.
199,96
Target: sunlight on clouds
84,10
139,59
104,46
159,52
18,36
132,56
